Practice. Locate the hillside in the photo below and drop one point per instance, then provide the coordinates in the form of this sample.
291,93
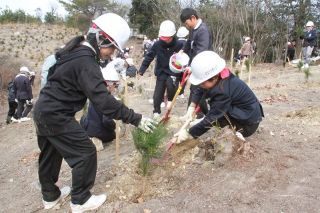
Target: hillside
280,174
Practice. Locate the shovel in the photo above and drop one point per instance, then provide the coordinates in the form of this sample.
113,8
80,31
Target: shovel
184,80
173,140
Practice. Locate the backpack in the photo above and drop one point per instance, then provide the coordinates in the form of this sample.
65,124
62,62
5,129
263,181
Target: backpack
65,58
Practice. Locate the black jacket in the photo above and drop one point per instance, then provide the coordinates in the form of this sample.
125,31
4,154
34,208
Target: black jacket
22,87
66,93
231,97
162,51
11,92
310,38
200,39
98,125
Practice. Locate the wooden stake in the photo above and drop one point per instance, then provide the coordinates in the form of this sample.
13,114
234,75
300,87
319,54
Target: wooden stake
231,57
241,68
117,142
249,76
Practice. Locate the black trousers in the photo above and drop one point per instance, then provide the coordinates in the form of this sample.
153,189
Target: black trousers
12,108
169,84
23,108
245,129
80,154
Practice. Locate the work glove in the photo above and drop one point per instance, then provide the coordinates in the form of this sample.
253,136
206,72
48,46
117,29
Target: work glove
240,136
182,136
147,124
29,102
189,114
16,100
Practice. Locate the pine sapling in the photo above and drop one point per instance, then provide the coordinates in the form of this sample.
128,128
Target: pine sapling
149,145
300,65
307,73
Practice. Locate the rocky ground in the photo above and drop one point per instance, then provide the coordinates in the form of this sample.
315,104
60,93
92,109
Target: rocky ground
280,174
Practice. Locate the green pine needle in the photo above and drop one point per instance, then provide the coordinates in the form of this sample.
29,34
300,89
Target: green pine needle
149,145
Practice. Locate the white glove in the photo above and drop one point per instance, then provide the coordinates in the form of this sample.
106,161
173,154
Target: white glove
147,124
240,136
29,102
188,115
16,100
182,136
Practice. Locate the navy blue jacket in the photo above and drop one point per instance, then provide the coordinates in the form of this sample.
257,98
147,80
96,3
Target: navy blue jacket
162,51
98,125
22,87
231,97
200,39
310,38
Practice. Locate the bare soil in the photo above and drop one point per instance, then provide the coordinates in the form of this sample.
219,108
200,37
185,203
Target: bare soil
281,174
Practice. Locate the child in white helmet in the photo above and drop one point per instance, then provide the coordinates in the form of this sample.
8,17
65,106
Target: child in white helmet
23,94
309,42
228,96
95,122
162,50
74,78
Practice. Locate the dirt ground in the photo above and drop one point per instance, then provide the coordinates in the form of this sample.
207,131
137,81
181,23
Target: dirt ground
282,174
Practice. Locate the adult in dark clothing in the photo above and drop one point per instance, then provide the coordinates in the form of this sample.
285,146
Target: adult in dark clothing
227,96
200,39
162,50
23,93
12,102
76,77
309,42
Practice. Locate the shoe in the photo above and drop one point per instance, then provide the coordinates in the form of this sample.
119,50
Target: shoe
156,116
162,105
14,120
65,191
181,96
169,104
94,202
25,119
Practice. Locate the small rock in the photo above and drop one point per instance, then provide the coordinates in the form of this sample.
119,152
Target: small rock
107,186
146,211
271,133
11,180
140,200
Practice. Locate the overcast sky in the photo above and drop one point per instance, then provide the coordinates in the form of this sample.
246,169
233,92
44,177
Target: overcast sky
29,6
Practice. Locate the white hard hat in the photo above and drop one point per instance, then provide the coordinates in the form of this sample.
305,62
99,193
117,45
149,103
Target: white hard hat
115,27
205,65
24,69
178,62
309,24
129,61
32,73
167,29
247,39
182,32
109,73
